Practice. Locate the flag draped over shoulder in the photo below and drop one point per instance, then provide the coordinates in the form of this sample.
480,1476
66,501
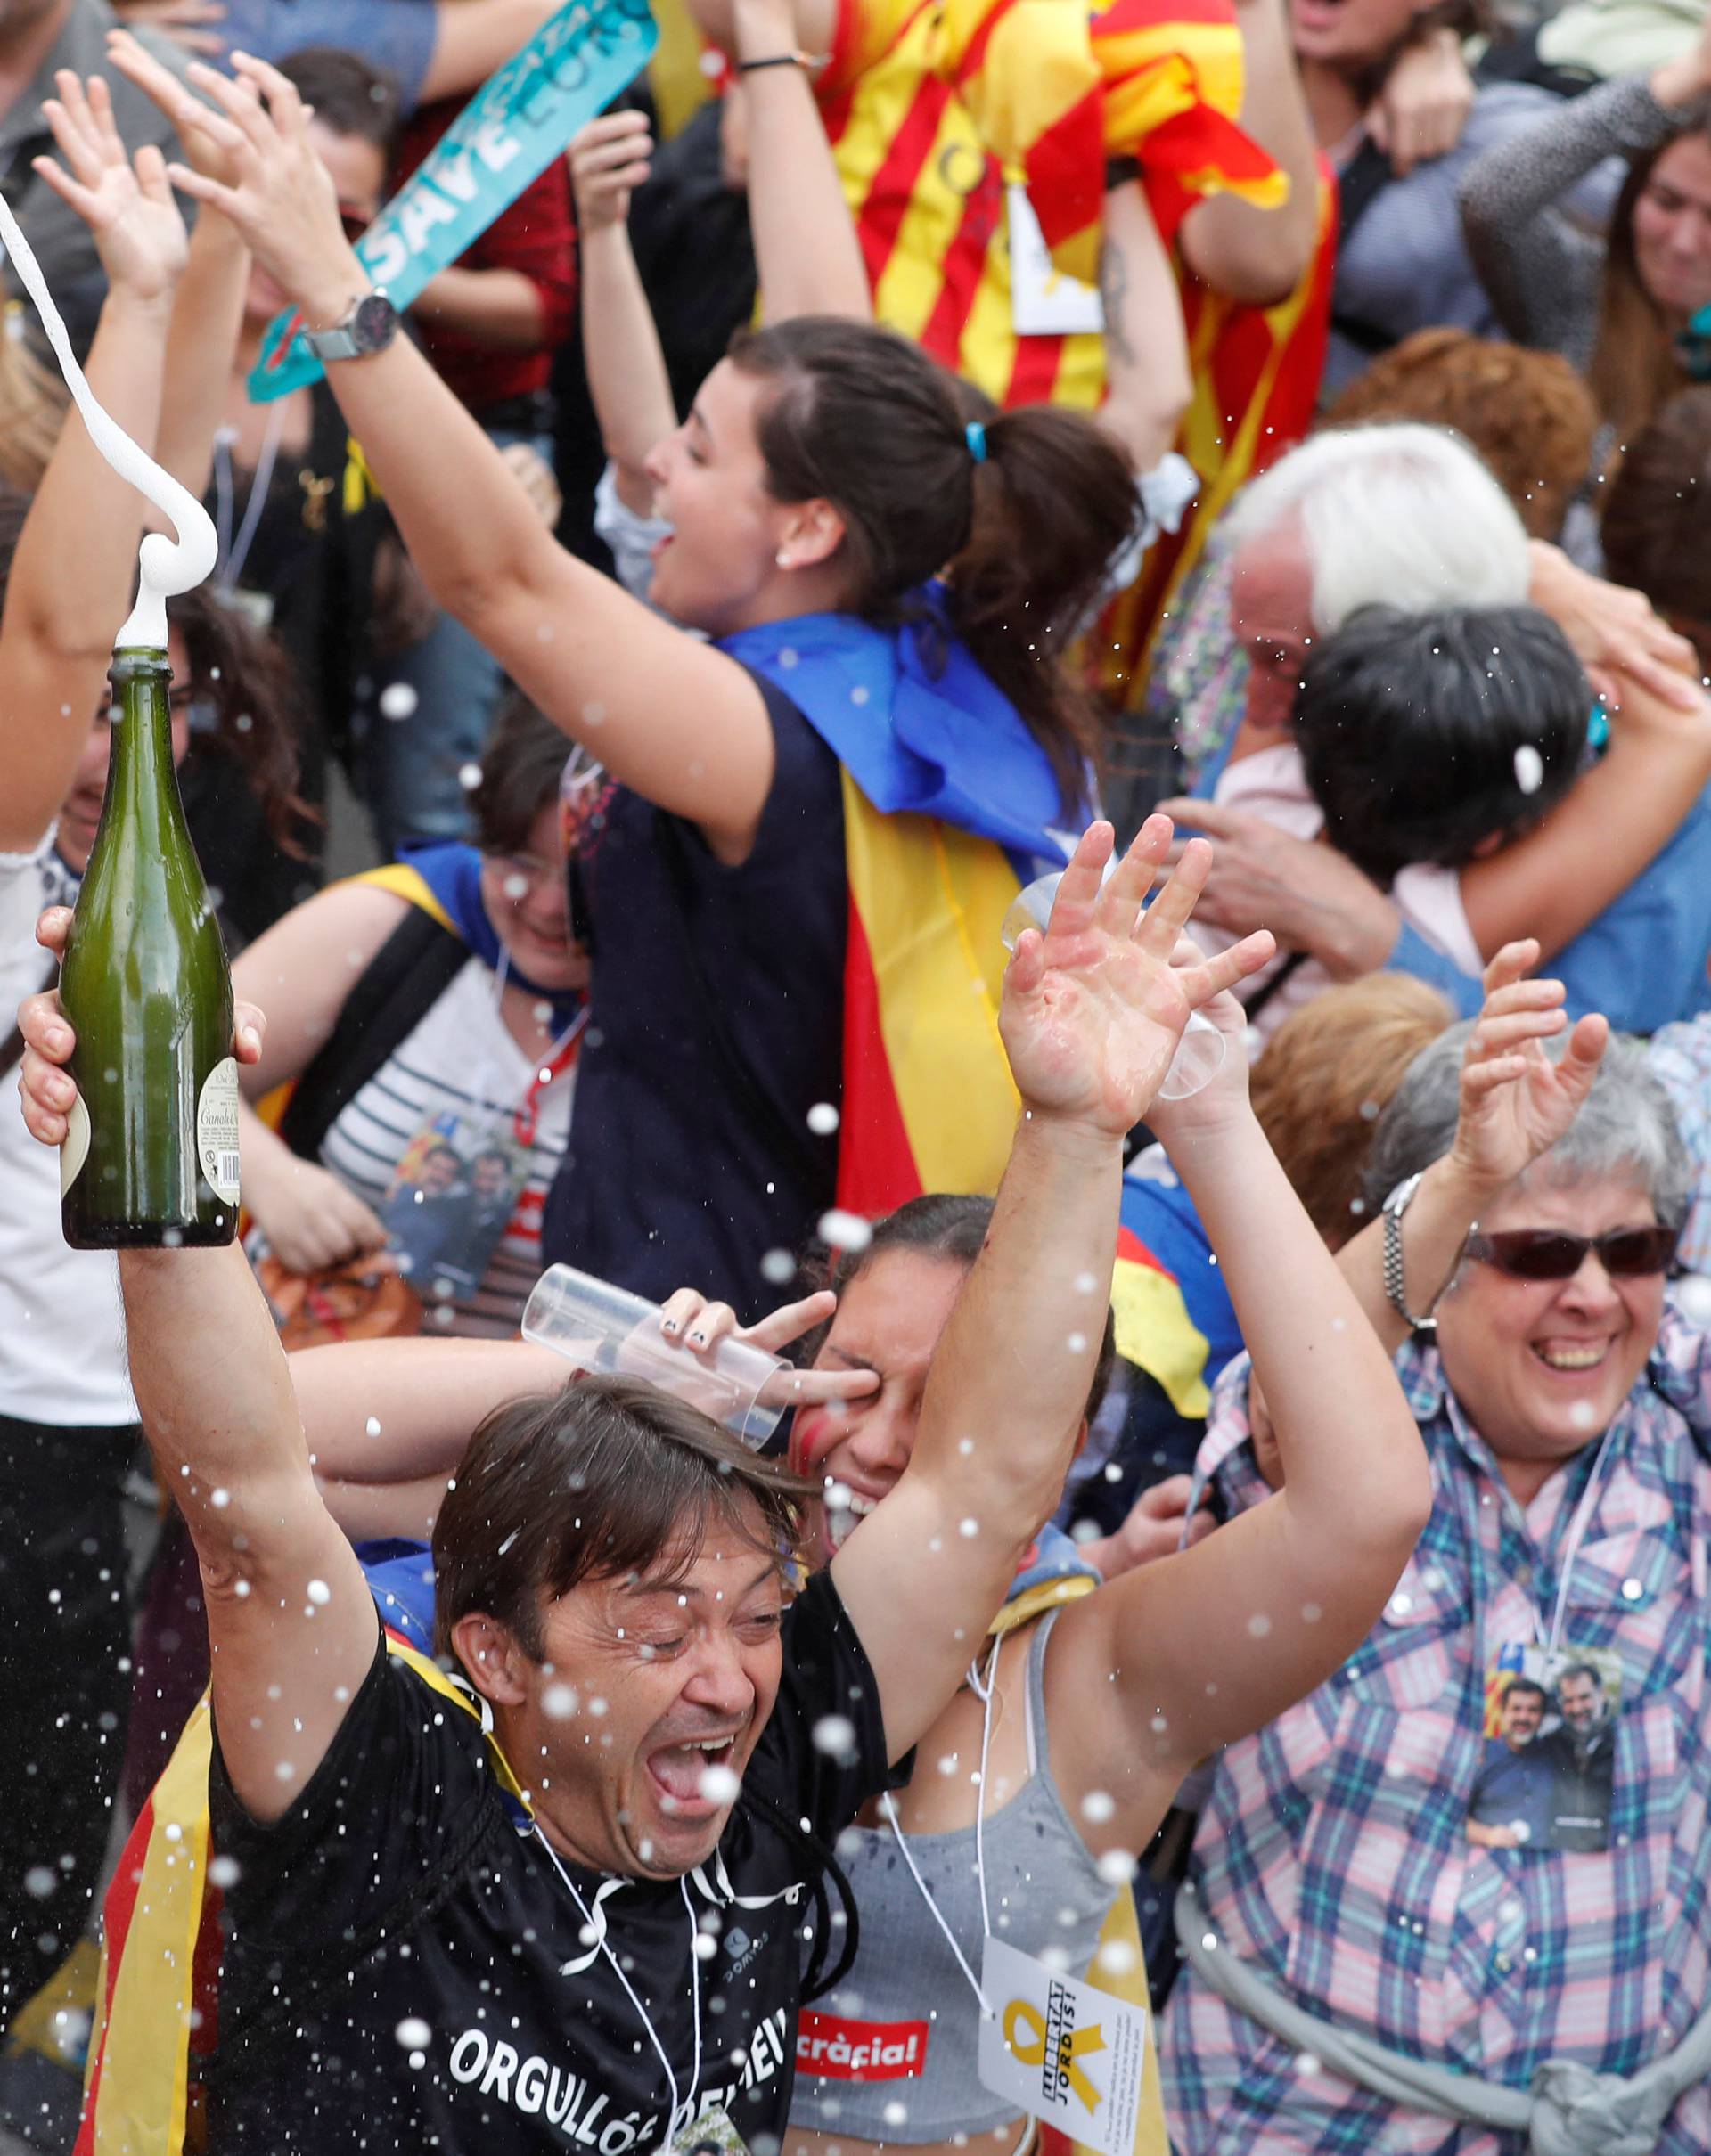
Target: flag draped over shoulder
949,804
156,2003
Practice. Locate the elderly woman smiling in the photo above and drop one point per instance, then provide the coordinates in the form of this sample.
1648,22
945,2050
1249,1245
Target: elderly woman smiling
1418,1921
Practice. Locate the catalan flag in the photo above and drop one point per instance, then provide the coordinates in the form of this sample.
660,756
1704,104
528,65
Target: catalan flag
1174,1319
950,807
933,109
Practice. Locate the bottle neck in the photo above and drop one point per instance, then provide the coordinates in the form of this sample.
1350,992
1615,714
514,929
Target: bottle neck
141,786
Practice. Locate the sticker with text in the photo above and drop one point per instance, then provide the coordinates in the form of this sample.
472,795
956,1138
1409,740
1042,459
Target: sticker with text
837,2049
1070,2055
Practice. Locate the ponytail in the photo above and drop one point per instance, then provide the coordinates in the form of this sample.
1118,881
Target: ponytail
1054,500
864,419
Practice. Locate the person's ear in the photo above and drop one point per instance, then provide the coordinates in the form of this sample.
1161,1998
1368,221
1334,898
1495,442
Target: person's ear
492,1658
1081,1438
809,533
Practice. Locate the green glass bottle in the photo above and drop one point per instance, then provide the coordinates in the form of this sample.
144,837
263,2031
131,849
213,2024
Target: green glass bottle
152,1157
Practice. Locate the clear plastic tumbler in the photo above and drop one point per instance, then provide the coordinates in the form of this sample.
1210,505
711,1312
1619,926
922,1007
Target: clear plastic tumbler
608,1330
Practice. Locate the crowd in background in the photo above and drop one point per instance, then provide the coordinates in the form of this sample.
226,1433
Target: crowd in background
623,723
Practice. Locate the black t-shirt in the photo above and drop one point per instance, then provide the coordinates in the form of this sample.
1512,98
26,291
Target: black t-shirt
392,1980
674,1173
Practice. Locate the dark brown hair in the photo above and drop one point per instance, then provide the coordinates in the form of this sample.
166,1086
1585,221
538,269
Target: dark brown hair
595,1481
1326,1072
1635,367
350,95
521,767
1528,414
953,1228
865,421
244,674
1656,528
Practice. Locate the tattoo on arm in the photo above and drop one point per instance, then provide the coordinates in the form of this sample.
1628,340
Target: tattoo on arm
1114,292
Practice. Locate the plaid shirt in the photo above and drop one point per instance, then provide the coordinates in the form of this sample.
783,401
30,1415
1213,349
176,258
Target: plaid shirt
1333,1851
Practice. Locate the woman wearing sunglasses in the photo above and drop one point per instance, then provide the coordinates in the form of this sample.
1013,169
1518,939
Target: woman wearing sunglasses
1489,1900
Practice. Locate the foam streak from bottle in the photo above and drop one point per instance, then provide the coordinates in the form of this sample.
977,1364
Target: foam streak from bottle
166,567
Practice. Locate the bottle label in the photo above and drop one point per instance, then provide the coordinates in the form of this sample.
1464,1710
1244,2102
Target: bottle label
216,1130
74,1147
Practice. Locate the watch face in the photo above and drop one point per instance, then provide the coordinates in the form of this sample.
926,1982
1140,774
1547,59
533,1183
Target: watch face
375,321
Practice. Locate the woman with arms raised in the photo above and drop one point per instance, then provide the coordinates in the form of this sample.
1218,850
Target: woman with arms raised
736,876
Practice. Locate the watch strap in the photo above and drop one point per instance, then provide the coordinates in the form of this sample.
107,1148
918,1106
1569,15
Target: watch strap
1395,1281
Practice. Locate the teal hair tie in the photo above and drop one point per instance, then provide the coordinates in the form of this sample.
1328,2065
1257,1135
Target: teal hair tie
975,435
1598,726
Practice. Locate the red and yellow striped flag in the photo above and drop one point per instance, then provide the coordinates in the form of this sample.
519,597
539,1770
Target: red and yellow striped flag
157,1999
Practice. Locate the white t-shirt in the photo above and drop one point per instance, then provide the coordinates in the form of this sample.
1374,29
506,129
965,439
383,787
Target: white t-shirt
1273,783
62,1326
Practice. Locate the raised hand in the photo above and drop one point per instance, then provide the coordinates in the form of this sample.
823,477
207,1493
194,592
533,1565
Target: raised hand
45,1090
279,194
608,161
138,65
1515,1101
1093,1008
689,1321
138,232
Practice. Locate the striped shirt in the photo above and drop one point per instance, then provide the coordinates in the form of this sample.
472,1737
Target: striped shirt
1333,1849
462,1060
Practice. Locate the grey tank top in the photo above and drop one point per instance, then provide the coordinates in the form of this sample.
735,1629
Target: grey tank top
890,2054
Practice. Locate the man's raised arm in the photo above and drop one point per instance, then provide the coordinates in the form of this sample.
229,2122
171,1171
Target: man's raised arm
291,1626
1092,1015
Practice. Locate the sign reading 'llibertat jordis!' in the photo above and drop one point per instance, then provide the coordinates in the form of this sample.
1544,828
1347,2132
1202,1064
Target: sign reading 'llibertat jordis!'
1071,2055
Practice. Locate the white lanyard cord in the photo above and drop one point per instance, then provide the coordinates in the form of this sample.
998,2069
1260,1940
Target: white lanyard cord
984,1692
598,1927
1577,1527
236,552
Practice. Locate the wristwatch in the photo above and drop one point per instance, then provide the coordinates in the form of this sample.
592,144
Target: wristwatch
369,325
1395,1286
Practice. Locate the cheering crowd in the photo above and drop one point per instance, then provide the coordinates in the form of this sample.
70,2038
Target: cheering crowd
1005,698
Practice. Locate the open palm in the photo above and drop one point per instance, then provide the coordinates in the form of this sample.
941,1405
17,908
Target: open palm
138,232
1517,1102
1094,1009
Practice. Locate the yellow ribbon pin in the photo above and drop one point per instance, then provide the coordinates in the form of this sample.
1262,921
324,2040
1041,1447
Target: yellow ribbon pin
1070,2046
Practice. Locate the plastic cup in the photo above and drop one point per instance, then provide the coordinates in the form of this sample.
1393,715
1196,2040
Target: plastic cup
609,1331
1202,1049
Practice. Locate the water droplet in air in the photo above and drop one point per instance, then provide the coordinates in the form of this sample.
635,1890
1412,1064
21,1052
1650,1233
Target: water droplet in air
778,1267
845,1230
468,777
1117,1867
414,2033
1529,768
835,1735
1098,1805
320,1593
720,1785
822,1119
398,701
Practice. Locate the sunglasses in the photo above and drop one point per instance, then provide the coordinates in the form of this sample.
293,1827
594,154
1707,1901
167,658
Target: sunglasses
1549,1253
